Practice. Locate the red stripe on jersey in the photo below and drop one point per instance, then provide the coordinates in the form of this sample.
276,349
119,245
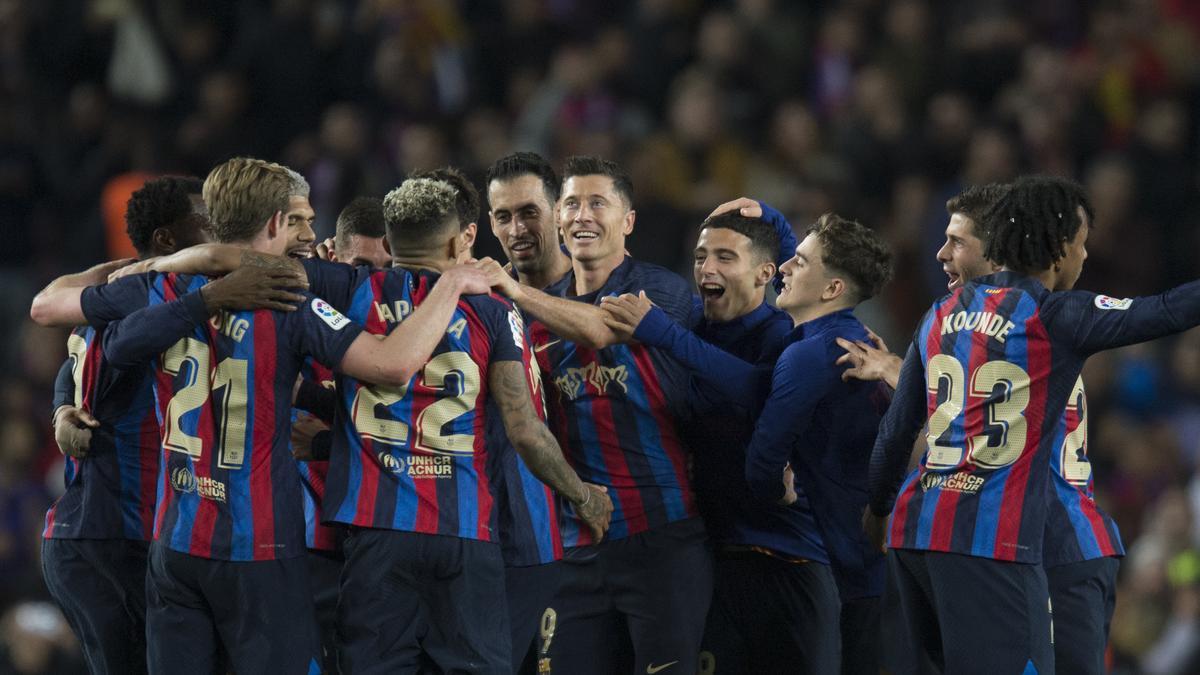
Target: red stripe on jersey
1008,529
376,325
262,496
666,424
150,440
368,486
1099,530
481,350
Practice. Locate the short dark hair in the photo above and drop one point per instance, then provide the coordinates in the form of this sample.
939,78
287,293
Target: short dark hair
764,239
466,197
855,251
975,202
364,217
418,211
590,165
526,163
160,202
1031,225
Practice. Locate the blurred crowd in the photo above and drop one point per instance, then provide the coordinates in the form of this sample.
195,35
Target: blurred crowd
876,109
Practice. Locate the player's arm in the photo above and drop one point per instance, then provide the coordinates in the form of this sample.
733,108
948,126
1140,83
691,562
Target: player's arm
1094,323
799,382
395,359
578,322
72,426
151,330
726,377
897,431
58,304
869,362
213,260
536,445
319,400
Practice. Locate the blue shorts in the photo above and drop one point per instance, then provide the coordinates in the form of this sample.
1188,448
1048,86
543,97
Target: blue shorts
952,613
259,612
419,602
771,616
100,584
636,604
1083,596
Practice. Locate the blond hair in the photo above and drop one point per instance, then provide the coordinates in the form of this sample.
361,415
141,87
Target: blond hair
242,195
418,210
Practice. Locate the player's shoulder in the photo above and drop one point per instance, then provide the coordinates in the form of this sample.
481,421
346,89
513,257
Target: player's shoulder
486,304
648,273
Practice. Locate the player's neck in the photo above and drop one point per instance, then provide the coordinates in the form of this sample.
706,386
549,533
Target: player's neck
805,314
591,275
415,263
548,274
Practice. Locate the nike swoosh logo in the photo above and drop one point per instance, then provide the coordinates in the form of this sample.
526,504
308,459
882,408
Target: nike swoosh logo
538,350
651,669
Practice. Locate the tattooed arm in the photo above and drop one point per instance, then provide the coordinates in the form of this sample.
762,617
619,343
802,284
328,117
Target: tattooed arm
536,445
213,260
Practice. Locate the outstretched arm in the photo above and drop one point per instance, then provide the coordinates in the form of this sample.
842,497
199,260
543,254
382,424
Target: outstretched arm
212,260
58,303
395,359
536,445
578,322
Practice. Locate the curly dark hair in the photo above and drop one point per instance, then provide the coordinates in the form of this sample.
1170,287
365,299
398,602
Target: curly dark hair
764,240
526,163
975,202
588,165
160,202
466,197
854,251
1032,223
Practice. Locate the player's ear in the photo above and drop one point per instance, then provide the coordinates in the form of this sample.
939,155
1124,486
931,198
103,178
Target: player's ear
766,272
468,236
834,289
273,225
387,245
163,240
629,219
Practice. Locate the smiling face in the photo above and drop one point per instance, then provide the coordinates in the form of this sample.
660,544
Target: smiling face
594,218
962,255
730,278
299,221
523,221
805,278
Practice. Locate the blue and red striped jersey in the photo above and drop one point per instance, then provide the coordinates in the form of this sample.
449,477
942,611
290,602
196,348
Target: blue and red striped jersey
109,493
614,410
992,369
228,487
1076,528
415,458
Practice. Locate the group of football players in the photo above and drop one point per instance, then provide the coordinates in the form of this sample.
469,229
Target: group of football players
380,454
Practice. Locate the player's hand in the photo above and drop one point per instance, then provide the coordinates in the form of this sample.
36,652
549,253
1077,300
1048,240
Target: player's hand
324,250
498,278
73,431
126,266
789,486
625,312
596,510
254,287
744,205
869,362
468,279
304,429
876,529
